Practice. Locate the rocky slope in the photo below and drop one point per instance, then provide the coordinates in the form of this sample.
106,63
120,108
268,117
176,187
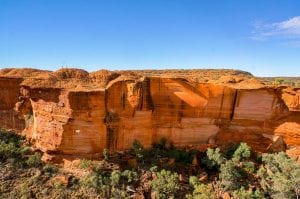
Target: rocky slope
71,111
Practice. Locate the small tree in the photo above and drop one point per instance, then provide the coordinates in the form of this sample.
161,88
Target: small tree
138,150
214,158
165,184
280,175
85,164
203,191
105,154
242,193
194,181
34,160
229,176
242,152
278,81
249,167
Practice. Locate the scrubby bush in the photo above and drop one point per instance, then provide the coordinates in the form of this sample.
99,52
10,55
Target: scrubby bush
165,184
280,175
34,160
181,156
115,177
214,158
242,193
50,169
242,152
129,176
85,164
203,191
9,150
105,154
58,185
229,176
10,145
194,181
278,81
10,137
249,167
137,150
110,184
23,191
162,144
99,181
153,169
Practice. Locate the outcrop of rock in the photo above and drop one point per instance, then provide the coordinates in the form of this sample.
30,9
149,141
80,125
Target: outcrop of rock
71,111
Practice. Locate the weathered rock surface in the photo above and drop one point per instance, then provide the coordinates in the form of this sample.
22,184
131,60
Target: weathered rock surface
71,111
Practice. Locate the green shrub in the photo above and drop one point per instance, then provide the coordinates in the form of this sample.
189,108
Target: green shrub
129,176
85,164
194,181
229,176
165,184
230,149
25,150
34,160
99,181
105,154
58,185
242,152
203,191
249,167
154,169
10,137
138,150
214,158
10,146
242,193
115,178
280,175
181,156
9,150
24,191
110,184
278,81
50,169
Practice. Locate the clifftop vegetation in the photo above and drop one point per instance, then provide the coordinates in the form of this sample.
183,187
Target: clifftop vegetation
160,172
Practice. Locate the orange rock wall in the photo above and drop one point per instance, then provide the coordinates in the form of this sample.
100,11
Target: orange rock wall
187,114
9,97
84,131
148,109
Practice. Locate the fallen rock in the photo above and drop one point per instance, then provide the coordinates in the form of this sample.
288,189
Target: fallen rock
277,145
226,195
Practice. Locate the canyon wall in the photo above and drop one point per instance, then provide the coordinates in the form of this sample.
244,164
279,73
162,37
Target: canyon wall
85,121
9,98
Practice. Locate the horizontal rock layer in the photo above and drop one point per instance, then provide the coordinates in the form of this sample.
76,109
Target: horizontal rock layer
62,120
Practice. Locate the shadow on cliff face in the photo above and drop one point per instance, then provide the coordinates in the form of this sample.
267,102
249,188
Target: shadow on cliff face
9,96
191,114
111,121
45,94
267,126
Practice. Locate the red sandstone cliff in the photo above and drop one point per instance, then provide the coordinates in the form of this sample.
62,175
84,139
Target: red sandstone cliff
71,111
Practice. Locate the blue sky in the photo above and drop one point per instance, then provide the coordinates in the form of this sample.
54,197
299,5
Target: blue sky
259,36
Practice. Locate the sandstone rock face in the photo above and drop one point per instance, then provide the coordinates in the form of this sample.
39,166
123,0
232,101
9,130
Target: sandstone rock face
70,118
9,99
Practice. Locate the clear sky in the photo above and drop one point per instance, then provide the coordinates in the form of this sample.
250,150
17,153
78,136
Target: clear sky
259,36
